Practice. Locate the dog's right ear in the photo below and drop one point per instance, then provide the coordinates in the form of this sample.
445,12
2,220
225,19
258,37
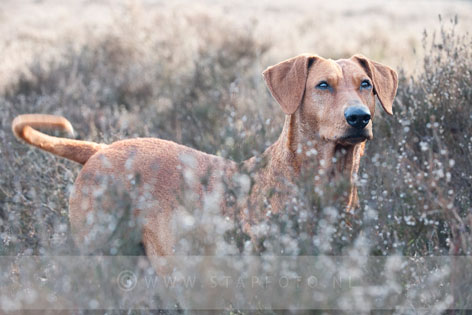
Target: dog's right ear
287,80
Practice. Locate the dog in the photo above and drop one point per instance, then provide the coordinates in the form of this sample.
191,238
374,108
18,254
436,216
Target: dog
328,106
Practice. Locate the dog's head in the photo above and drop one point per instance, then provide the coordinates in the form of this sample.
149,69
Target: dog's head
335,100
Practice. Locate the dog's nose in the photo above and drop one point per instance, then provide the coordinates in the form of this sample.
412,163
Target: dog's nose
356,116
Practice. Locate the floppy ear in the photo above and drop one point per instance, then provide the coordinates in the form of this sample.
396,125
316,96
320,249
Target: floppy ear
384,78
286,81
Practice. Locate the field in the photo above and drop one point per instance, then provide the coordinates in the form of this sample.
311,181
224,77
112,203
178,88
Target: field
190,72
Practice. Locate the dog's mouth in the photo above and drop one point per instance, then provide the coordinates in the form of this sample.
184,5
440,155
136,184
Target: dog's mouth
355,138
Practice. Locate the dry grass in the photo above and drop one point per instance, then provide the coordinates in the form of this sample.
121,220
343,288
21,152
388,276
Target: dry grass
191,73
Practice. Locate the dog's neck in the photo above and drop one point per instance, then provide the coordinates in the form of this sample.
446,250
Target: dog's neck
297,157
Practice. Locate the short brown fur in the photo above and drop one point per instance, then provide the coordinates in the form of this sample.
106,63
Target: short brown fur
314,121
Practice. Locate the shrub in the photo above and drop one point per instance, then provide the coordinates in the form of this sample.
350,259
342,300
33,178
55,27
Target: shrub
416,171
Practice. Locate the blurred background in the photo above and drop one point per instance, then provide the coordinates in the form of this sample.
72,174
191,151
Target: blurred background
390,31
190,71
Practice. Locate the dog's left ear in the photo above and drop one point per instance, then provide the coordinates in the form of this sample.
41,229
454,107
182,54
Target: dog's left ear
384,78
287,80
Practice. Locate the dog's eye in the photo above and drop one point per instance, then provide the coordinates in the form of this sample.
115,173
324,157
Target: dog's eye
323,85
365,84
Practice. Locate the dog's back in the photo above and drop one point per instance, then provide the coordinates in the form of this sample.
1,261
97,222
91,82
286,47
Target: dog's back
146,174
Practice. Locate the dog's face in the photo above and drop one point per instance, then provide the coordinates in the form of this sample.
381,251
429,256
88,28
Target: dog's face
335,100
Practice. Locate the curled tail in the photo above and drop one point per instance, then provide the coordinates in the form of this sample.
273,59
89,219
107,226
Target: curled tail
23,127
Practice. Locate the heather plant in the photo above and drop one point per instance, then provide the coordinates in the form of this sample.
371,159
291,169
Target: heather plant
416,172
414,181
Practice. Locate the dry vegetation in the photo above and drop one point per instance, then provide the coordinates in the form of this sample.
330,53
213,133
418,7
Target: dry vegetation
191,73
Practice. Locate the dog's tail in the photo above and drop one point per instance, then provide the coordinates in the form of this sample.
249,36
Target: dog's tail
23,127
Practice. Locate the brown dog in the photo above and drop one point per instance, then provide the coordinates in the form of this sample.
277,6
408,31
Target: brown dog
329,107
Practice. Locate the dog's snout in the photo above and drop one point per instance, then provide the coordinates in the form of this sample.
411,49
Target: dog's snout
357,116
